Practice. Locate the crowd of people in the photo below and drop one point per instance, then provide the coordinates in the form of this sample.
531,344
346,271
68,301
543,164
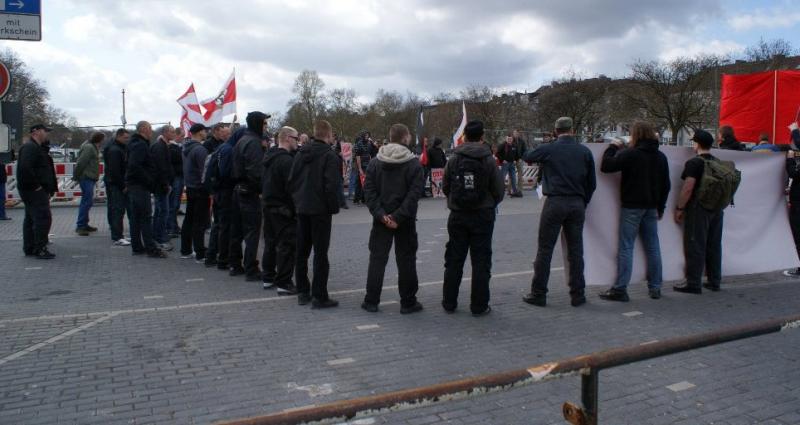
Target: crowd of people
245,186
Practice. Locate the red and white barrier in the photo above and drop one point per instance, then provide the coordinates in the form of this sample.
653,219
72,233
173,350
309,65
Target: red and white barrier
67,188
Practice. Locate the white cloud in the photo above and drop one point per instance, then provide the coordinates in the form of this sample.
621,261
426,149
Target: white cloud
775,18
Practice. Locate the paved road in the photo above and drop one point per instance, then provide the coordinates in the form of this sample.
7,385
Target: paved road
99,336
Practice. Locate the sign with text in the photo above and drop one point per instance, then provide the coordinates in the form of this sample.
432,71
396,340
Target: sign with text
21,20
437,175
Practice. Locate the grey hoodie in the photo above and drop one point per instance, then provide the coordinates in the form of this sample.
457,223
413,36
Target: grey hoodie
194,160
394,183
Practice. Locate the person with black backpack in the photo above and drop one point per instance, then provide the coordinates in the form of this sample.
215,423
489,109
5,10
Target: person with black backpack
569,183
708,188
474,187
218,180
193,230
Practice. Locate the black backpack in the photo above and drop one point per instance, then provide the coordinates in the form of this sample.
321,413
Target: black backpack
211,174
470,183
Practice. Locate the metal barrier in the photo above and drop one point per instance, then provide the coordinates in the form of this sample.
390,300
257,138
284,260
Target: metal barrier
588,366
67,188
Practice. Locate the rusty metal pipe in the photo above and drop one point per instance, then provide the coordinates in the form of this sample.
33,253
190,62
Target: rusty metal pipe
344,410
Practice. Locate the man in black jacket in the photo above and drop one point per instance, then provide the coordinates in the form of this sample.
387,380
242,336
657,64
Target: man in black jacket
507,157
115,156
141,182
197,198
163,175
645,188
569,183
36,184
280,220
793,171
176,185
315,179
219,135
394,184
246,213
474,189
3,181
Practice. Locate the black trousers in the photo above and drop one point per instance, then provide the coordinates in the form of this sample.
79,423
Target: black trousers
567,213
313,231
38,219
193,230
117,205
469,232
268,261
141,210
794,223
282,230
702,245
219,239
405,251
245,226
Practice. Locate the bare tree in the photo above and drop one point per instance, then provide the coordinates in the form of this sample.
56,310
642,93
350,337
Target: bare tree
341,109
573,96
678,93
308,87
768,50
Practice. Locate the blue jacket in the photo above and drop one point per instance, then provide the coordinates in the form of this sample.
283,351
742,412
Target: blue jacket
567,166
194,160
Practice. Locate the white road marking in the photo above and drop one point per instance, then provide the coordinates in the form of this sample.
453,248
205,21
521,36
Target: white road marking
367,327
55,339
199,279
33,268
389,302
339,362
312,390
153,297
632,314
681,386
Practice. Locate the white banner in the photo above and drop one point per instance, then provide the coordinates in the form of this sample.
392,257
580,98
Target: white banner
756,236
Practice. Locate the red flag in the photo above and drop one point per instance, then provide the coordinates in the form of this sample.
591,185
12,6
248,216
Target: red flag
423,158
190,106
222,105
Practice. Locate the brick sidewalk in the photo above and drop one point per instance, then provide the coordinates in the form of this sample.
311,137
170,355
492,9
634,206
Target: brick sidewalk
133,340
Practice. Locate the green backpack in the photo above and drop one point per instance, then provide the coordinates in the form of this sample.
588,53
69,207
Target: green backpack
718,184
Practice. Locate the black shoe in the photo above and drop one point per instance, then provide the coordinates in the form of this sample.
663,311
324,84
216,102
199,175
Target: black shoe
157,254
710,287
329,303
303,299
537,300
90,228
654,293
372,308
614,295
687,289
210,262
44,254
288,289
236,271
578,301
449,308
792,272
83,231
482,313
410,309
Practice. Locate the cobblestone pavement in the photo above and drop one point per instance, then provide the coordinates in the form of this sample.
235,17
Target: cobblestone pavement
100,337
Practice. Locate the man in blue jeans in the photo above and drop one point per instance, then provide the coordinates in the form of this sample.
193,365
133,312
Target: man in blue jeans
507,157
645,188
163,176
86,173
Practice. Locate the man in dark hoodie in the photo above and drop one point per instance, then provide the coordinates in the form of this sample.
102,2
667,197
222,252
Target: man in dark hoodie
394,184
645,188
246,168
474,188
193,230
36,182
314,181
141,182
727,139
115,156
219,240
280,219
163,175
569,183
176,189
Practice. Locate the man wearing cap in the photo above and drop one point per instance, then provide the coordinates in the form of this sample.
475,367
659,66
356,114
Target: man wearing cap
702,229
569,181
474,188
197,199
36,184
246,169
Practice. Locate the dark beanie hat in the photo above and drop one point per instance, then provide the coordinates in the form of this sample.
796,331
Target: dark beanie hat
255,121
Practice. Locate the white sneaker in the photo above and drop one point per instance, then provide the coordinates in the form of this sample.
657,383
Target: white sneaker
165,246
122,242
188,256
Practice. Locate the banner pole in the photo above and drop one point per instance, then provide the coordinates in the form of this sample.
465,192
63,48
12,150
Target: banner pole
775,108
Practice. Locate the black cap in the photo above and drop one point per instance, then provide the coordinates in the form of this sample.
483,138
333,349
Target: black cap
703,138
474,130
40,127
196,128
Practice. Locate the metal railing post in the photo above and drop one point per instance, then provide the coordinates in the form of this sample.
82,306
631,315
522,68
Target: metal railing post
590,383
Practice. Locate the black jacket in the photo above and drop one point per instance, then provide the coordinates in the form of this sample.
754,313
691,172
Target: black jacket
115,156
730,143
162,166
568,168
793,170
436,158
394,183
316,179
275,190
247,162
35,168
175,159
645,174
140,171
3,175
211,144
507,152
481,152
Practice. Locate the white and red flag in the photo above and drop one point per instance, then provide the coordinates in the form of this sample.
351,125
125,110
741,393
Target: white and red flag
190,109
223,104
458,137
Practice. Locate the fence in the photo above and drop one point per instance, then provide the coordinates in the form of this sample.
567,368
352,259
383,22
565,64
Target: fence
588,367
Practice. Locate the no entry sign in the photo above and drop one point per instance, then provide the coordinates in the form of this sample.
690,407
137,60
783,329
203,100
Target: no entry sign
5,80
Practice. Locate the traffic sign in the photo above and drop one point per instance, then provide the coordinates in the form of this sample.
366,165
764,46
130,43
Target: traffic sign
5,80
21,20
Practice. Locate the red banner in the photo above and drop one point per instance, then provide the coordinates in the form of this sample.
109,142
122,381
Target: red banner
764,102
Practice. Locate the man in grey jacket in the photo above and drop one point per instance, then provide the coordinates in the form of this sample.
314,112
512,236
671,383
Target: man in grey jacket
197,198
474,188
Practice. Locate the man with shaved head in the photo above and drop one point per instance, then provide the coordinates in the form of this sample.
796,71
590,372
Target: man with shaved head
141,183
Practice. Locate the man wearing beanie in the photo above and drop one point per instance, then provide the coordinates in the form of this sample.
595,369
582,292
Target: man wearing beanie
474,188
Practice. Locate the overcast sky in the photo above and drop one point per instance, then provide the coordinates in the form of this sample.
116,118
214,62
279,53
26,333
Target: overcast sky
92,49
